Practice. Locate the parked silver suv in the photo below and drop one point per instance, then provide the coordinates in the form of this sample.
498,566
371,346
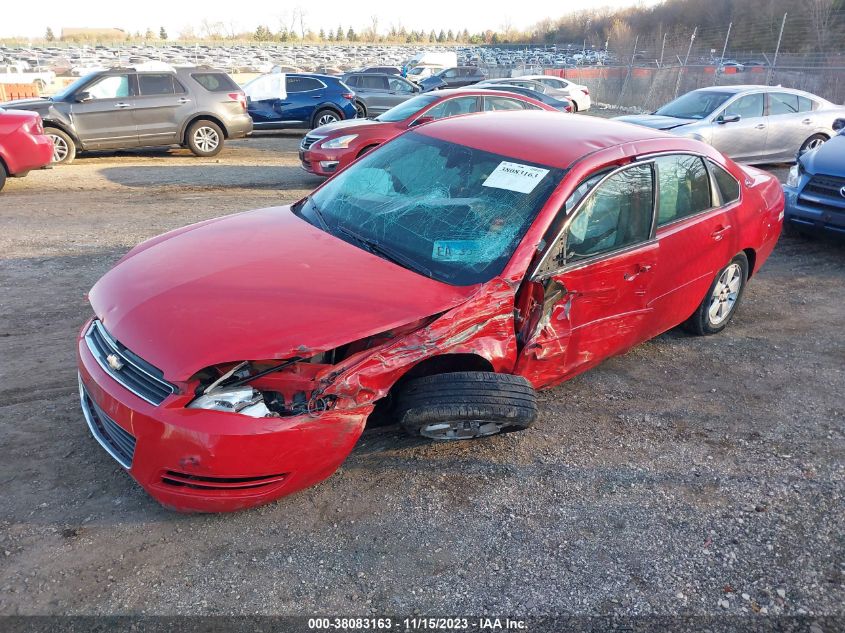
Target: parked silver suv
122,108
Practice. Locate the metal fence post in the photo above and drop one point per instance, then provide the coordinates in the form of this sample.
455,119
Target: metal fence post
686,59
771,74
722,58
630,69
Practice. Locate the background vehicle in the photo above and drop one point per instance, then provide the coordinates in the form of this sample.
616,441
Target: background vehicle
558,103
389,70
578,94
12,74
300,100
23,145
378,92
461,266
456,77
418,73
752,124
330,148
815,189
122,108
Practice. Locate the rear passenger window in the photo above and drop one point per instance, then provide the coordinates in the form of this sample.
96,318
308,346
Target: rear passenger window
683,185
805,104
503,103
302,84
726,184
782,103
156,84
373,82
215,82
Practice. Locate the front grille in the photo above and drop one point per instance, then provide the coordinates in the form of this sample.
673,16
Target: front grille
138,376
118,443
308,141
233,484
824,193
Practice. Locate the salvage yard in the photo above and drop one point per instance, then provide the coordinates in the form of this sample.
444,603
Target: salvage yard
694,475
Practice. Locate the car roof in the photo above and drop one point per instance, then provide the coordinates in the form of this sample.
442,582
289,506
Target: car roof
548,138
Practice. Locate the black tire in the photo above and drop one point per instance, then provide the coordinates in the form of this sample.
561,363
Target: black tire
703,322
321,117
573,105
465,405
812,142
361,110
204,138
64,147
2,176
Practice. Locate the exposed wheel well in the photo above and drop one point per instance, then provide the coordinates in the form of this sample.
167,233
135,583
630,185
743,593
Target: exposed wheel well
440,364
365,150
59,126
751,255
205,117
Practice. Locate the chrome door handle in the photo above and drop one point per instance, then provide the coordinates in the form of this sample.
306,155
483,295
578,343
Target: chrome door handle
184,100
122,105
719,233
760,126
807,121
641,268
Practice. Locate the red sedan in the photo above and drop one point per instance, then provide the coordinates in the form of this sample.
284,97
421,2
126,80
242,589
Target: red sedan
23,146
332,147
438,281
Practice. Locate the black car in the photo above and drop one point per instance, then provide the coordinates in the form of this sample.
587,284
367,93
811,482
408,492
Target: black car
122,108
388,70
558,103
456,77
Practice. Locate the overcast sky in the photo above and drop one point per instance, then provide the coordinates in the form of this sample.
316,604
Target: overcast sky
133,16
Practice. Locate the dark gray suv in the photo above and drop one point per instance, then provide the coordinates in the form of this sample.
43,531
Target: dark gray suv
376,93
123,108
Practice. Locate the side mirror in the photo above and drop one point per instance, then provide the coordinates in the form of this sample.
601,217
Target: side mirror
82,97
421,120
730,118
839,125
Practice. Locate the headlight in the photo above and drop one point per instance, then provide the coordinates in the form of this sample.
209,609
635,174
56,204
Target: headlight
243,400
341,142
794,176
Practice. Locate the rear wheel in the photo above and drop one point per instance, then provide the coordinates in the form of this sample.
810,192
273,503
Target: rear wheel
720,303
2,176
466,405
64,149
360,110
324,117
816,140
205,138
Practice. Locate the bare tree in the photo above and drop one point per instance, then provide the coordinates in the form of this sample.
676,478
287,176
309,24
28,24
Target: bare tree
821,16
374,28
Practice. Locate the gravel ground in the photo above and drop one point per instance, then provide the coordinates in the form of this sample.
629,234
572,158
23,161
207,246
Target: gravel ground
692,476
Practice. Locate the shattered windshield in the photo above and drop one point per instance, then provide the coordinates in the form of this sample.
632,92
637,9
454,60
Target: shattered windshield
694,105
446,211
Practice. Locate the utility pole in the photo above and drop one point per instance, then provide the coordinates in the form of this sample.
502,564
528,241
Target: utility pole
777,50
722,58
686,59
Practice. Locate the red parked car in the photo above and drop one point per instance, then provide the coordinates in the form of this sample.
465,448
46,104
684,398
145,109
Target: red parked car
329,148
23,146
437,282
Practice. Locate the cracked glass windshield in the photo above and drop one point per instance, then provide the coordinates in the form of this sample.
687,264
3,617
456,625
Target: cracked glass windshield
444,210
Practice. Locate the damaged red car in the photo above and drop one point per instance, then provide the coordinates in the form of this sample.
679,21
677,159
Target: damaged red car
438,282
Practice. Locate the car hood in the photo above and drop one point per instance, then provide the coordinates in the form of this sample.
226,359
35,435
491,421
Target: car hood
655,121
828,159
255,286
348,126
28,104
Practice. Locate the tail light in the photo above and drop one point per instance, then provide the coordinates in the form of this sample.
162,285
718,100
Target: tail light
240,98
348,95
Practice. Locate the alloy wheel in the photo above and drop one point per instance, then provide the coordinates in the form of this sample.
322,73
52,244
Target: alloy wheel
813,144
725,294
460,429
206,139
60,148
327,118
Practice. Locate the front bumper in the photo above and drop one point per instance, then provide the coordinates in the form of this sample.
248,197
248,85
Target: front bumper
813,212
194,460
324,162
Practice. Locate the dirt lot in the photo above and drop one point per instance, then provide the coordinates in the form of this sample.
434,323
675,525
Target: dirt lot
691,476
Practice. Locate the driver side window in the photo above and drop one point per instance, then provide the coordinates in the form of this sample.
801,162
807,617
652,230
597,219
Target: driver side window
111,87
747,107
453,107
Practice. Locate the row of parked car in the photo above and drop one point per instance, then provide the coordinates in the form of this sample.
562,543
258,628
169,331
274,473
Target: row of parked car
201,107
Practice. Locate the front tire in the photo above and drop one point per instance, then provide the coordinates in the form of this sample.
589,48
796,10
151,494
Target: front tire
2,176
64,149
465,405
205,138
722,299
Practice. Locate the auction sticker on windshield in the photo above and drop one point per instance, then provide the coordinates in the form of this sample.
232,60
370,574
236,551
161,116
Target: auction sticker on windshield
515,177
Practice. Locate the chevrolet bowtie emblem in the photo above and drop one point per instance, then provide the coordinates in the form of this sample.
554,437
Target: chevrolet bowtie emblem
114,362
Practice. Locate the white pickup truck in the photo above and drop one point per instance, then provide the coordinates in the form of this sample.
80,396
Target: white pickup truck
12,74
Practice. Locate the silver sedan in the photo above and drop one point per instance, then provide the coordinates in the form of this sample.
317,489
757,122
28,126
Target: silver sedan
752,124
